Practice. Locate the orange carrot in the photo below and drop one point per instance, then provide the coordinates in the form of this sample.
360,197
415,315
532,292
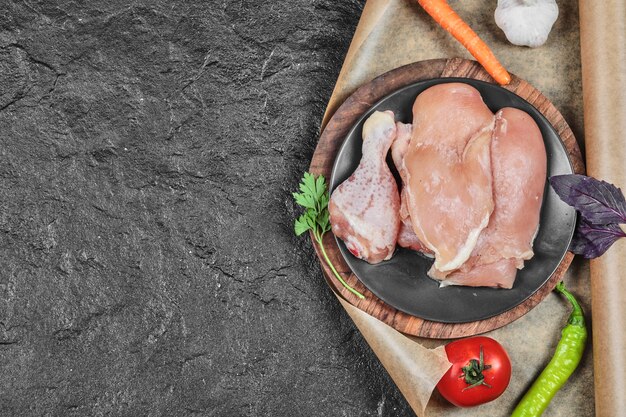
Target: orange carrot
452,22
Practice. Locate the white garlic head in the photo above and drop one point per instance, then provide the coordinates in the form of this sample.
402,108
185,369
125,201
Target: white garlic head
526,22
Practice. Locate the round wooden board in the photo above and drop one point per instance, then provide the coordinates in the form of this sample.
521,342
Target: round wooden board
330,141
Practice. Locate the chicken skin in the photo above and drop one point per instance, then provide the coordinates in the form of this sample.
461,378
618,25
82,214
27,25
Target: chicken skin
364,209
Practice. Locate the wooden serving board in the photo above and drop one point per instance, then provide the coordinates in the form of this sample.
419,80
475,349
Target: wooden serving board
330,141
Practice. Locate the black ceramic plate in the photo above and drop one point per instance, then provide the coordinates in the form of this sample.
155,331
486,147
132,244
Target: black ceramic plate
402,281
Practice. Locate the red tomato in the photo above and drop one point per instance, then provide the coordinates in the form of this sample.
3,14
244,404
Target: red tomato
465,354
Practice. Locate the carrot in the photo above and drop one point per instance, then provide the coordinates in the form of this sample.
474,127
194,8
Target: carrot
452,22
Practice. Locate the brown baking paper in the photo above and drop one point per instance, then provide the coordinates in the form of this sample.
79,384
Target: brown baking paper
392,33
402,355
603,51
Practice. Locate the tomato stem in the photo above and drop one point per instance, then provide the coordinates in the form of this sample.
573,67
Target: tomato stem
473,372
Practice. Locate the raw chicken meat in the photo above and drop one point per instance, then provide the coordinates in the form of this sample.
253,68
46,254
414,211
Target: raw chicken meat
519,166
364,209
406,237
448,171
472,188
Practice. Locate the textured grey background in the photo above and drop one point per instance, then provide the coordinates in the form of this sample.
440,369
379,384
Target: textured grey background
147,260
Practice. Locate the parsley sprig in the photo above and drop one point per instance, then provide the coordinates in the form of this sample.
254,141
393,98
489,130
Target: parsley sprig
313,196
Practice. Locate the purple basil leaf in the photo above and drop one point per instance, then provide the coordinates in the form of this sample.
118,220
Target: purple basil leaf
597,201
591,240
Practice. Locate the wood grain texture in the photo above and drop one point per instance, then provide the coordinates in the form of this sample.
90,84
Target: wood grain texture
330,141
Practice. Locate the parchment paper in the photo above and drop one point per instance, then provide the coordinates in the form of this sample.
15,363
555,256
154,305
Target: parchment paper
392,33
416,368
603,42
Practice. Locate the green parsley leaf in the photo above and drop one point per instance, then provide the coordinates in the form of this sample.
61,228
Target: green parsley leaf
323,221
307,186
305,200
301,225
310,218
320,186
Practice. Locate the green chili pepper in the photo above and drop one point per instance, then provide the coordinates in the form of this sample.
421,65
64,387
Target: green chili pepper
568,353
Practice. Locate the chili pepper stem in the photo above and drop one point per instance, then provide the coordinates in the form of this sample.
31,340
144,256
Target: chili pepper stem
576,318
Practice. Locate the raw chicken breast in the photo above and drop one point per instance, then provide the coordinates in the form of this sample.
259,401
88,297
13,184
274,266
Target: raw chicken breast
406,237
448,171
519,169
364,209
519,166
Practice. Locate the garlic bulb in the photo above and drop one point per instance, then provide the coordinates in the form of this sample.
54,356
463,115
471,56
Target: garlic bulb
526,22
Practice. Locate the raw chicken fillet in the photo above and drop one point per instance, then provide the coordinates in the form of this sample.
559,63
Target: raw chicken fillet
448,171
518,158
474,185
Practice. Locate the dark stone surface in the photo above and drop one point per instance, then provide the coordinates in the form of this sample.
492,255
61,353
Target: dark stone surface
147,260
